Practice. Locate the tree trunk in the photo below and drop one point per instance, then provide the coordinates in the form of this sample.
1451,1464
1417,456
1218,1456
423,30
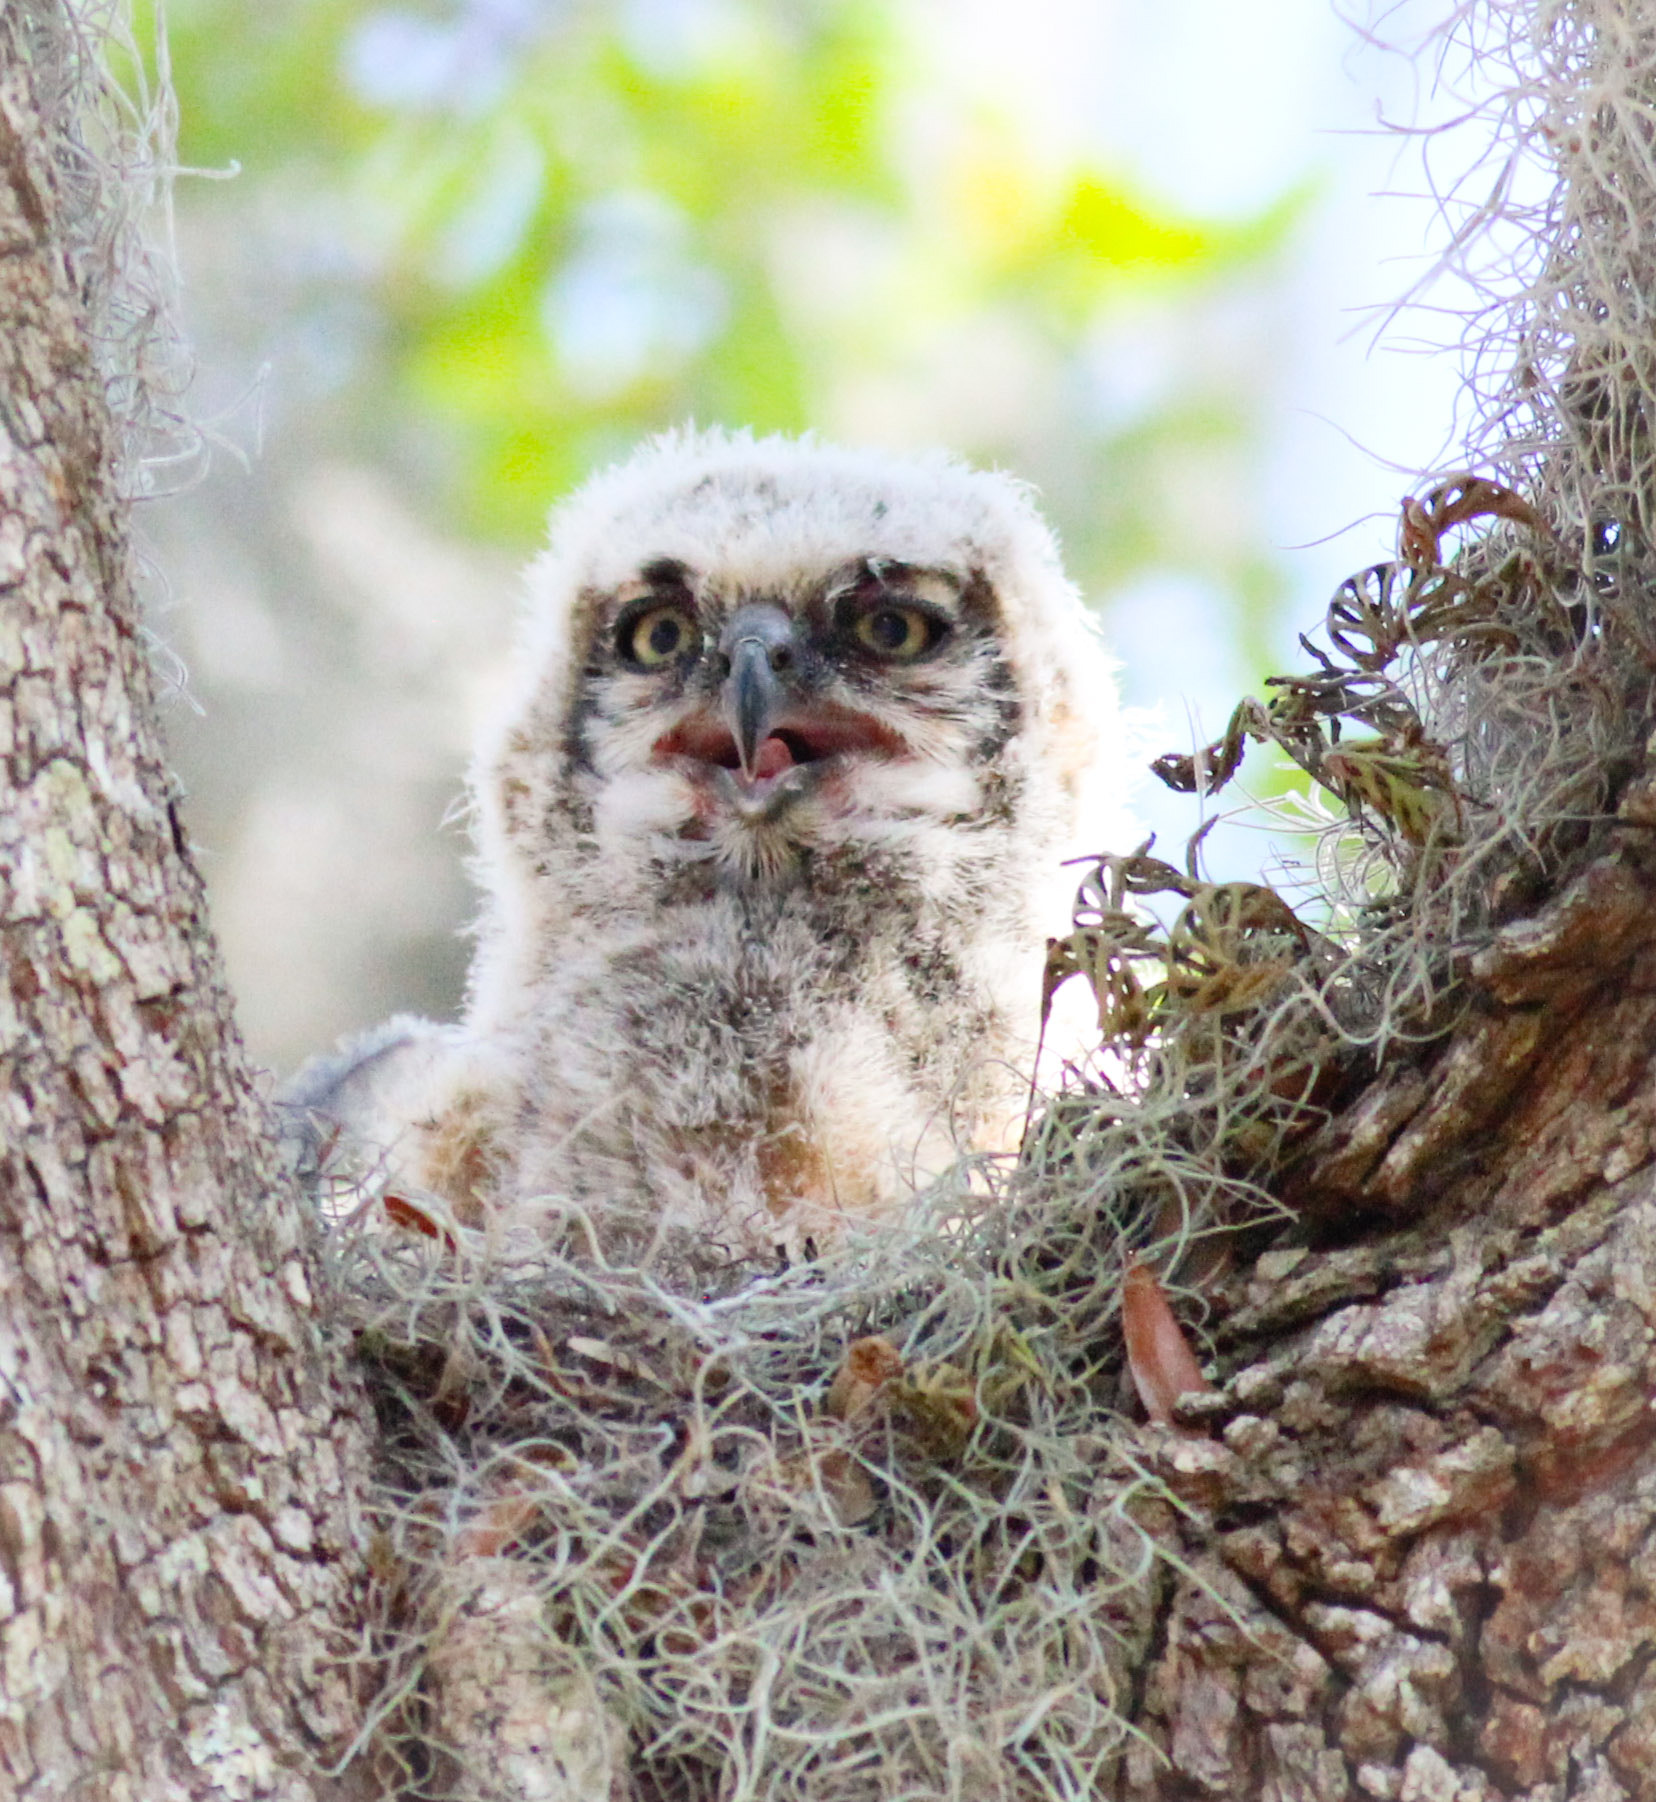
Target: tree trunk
1422,1539
182,1455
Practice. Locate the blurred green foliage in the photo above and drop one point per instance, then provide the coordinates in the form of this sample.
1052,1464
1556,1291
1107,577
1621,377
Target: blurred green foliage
578,221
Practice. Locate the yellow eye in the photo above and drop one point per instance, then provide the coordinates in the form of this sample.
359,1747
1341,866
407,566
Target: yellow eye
659,636
900,633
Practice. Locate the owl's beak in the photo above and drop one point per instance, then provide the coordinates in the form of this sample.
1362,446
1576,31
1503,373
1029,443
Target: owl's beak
762,651
771,739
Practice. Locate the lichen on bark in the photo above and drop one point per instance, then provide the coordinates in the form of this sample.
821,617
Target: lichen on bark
181,1451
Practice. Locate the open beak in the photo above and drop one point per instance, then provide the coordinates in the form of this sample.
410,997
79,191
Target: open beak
760,645
766,738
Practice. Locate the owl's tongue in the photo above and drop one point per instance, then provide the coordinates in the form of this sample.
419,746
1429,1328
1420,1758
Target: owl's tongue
772,757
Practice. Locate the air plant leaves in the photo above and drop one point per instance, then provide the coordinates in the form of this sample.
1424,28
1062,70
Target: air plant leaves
1231,946
1454,503
935,1404
1409,784
932,1407
1112,955
1377,616
1388,608
1211,768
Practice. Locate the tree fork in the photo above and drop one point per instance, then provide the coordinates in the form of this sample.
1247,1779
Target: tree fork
1417,1557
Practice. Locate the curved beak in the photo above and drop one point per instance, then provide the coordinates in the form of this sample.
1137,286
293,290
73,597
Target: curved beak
762,652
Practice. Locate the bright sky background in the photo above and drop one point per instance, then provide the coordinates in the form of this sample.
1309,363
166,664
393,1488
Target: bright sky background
1218,109
318,790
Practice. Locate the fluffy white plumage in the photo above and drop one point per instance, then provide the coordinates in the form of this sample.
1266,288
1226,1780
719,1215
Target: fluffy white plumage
770,836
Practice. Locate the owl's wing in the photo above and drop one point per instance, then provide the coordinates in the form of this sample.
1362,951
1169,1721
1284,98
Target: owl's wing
408,1107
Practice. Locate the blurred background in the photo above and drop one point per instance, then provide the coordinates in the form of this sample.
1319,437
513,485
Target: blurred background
441,259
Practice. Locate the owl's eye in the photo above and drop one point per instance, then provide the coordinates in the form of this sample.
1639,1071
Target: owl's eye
658,636
897,632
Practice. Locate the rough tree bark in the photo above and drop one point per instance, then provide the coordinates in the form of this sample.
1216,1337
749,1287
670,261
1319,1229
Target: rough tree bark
1422,1538
181,1454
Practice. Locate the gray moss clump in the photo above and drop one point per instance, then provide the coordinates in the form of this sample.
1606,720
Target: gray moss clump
112,164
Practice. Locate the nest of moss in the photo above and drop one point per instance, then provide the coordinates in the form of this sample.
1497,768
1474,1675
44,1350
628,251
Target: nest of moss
861,1527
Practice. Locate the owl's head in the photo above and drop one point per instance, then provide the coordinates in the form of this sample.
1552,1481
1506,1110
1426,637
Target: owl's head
755,664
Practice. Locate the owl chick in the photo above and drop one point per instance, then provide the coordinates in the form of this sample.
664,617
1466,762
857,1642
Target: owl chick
769,835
